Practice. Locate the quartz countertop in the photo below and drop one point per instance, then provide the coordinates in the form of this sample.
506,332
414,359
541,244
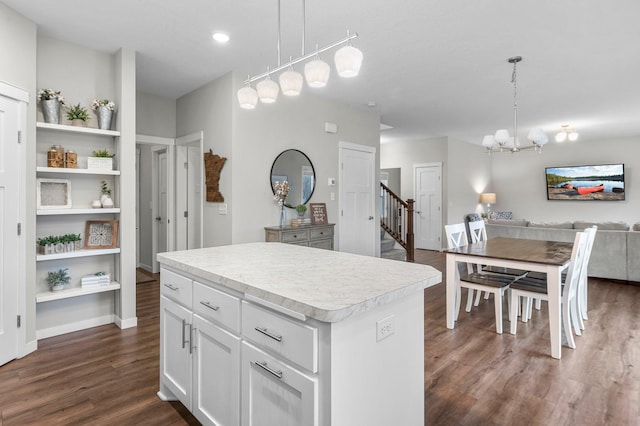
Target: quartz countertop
322,284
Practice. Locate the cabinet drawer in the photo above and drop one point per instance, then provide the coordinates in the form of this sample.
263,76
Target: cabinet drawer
175,287
321,233
294,341
293,236
217,306
323,244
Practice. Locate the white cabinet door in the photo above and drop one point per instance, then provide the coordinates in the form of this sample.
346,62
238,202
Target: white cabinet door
274,393
175,348
216,372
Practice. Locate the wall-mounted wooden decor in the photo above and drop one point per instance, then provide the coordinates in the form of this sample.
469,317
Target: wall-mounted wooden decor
213,164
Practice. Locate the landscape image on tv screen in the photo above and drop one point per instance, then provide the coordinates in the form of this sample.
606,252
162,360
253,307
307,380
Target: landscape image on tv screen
602,182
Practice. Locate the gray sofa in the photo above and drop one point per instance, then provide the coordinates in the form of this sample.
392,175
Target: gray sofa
616,250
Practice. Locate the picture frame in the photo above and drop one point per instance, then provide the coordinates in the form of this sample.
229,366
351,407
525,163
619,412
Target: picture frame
101,234
318,213
53,194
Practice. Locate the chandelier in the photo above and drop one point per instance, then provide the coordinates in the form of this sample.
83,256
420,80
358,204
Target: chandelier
567,133
501,140
348,61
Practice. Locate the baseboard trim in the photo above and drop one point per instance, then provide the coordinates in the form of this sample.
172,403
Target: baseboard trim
126,323
28,347
74,326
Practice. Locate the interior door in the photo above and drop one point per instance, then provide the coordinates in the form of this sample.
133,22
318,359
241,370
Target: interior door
9,217
428,206
358,226
161,219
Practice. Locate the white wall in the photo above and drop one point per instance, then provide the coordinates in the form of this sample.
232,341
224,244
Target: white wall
18,68
519,181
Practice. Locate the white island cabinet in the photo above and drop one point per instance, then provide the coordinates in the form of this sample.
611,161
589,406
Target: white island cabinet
278,334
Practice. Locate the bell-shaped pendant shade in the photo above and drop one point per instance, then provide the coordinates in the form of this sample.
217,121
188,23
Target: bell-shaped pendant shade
538,137
573,136
488,141
502,136
290,82
268,91
317,73
247,97
561,137
348,61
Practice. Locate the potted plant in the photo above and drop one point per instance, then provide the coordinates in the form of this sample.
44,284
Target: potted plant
77,114
59,244
58,279
105,198
104,111
101,159
301,209
50,101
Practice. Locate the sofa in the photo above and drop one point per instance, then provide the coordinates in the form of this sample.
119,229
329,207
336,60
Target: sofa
616,250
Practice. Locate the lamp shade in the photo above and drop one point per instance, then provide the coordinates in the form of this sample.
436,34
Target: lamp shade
290,82
573,136
348,61
561,136
488,141
488,198
317,73
502,136
247,97
537,136
268,91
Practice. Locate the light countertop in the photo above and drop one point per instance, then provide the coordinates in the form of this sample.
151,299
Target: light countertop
322,284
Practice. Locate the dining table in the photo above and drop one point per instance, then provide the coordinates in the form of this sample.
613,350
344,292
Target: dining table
550,257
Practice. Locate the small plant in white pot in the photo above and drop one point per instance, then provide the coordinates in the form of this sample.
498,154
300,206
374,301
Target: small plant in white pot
105,198
58,279
101,159
301,209
77,114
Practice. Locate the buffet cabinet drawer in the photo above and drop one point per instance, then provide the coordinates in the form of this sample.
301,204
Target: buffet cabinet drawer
216,306
318,233
175,287
294,341
295,236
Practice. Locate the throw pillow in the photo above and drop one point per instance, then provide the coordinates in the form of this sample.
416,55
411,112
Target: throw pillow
501,215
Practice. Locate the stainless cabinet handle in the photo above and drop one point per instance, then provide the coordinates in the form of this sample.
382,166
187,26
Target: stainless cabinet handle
209,305
184,324
191,330
170,287
269,334
265,367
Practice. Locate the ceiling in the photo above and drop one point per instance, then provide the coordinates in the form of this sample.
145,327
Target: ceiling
433,68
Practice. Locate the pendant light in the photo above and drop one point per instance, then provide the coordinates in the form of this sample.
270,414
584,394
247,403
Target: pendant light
317,72
267,90
348,60
247,97
291,82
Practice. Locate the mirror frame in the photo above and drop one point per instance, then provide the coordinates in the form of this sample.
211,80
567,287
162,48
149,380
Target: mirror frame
312,169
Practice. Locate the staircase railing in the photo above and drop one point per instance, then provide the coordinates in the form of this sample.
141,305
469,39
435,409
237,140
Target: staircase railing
396,218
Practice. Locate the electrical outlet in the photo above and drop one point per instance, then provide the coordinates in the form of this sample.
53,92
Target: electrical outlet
222,209
385,328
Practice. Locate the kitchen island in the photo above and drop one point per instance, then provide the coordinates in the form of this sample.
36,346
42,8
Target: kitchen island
278,334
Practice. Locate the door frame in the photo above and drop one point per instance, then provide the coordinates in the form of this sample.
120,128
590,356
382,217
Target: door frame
182,143
374,194
168,144
22,96
415,193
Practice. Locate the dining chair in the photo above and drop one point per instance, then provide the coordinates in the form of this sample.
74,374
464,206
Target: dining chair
583,285
476,279
530,288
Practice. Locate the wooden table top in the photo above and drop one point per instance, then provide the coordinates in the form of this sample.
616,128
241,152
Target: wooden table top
534,251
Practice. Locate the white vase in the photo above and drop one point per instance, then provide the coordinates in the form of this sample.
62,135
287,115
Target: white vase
106,201
57,287
96,204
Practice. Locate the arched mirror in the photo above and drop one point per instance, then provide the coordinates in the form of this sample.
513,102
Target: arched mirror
295,167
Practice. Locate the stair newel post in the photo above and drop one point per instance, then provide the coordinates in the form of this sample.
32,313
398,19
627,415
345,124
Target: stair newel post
410,246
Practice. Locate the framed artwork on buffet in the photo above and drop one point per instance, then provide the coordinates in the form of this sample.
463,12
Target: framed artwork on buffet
318,213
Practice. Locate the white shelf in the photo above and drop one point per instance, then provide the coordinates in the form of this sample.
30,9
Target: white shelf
53,212
76,253
49,296
76,129
67,171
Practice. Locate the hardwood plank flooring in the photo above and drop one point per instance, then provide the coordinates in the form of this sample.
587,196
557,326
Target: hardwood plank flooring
473,376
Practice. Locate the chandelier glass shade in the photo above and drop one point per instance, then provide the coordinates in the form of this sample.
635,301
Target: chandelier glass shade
502,140
290,82
567,133
348,60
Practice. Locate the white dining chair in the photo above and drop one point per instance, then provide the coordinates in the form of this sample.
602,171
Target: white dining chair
583,285
477,280
530,288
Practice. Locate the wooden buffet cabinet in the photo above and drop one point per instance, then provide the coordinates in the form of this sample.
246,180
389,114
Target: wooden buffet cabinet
318,236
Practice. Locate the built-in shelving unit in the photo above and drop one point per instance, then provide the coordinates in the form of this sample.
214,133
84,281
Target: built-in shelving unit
60,212
77,129
49,296
76,253
66,171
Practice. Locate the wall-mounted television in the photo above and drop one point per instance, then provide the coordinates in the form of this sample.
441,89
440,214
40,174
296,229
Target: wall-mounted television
584,183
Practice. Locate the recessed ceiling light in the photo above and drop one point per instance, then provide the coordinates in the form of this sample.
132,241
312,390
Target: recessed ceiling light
371,104
221,37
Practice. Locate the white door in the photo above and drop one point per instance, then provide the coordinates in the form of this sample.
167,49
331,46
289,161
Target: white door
358,227
428,206
189,172
9,218
161,219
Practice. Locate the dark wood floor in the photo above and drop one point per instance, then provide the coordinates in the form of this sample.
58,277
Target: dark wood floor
472,375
